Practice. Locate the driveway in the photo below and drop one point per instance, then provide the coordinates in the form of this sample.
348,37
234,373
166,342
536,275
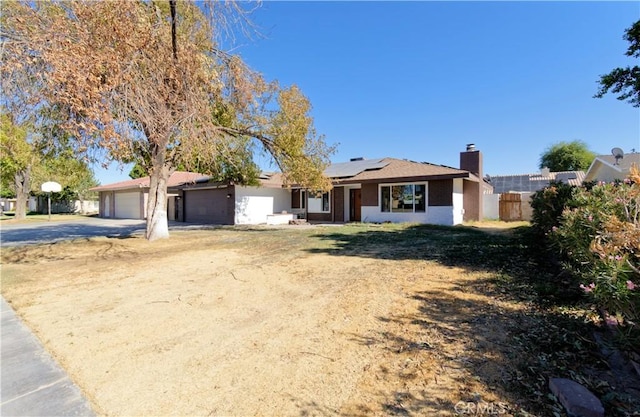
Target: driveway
31,233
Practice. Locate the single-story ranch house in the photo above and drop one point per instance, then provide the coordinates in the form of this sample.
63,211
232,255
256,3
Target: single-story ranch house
367,190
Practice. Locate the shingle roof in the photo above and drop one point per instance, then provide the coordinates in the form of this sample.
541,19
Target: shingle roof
398,169
176,179
533,182
354,167
271,179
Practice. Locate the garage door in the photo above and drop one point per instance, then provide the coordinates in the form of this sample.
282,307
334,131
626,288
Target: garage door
208,206
127,205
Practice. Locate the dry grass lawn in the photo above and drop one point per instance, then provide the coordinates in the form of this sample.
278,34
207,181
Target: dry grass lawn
355,320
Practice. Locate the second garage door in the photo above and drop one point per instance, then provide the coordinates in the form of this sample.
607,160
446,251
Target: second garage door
213,206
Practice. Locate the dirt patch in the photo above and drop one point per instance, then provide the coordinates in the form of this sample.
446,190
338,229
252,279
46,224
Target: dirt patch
315,321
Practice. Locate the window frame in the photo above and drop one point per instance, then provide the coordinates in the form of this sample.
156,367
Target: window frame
321,197
389,194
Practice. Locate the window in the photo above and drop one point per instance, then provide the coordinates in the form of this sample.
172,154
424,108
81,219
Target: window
325,201
419,198
319,203
403,198
303,199
386,199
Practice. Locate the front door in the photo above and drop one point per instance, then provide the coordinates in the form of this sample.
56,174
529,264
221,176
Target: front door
355,205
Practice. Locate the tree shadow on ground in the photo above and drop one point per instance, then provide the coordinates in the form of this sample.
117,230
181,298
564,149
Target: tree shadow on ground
510,254
459,246
502,335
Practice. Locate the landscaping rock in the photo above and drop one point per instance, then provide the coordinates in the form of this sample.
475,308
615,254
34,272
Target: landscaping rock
298,221
576,399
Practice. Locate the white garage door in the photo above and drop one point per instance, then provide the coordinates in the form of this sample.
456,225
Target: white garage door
127,205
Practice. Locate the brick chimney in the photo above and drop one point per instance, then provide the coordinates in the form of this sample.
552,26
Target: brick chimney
471,160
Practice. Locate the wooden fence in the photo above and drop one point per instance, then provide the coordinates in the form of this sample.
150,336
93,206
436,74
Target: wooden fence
510,207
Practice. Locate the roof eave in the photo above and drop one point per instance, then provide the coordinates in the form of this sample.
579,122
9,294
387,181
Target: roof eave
107,188
412,178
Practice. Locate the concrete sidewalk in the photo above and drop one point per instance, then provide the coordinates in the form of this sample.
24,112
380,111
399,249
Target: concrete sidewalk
33,384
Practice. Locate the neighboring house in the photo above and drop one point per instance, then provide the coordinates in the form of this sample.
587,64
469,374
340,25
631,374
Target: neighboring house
533,182
607,168
367,190
39,204
7,204
512,193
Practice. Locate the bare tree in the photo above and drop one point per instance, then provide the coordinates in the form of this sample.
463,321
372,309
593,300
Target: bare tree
147,81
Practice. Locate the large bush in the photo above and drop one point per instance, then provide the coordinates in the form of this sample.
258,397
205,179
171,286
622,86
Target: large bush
548,205
595,232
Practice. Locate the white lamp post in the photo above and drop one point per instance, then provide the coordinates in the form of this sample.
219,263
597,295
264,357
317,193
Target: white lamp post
51,187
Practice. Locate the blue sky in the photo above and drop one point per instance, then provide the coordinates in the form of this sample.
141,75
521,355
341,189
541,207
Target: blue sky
420,80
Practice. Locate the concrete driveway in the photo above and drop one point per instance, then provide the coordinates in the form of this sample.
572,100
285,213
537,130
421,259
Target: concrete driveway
45,232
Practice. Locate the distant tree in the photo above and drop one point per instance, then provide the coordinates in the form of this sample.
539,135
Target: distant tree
138,171
567,156
625,81
75,176
148,81
236,167
27,161
7,192
18,158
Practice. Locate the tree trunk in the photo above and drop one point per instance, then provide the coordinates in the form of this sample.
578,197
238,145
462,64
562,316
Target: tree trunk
23,187
157,221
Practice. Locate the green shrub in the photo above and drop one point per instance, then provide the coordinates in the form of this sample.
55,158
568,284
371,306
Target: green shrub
599,242
596,236
548,205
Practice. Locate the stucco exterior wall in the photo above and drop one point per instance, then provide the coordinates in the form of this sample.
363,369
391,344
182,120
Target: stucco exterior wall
370,194
472,201
601,172
254,204
491,206
441,193
106,204
458,201
434,215
339,204
527,210
450,214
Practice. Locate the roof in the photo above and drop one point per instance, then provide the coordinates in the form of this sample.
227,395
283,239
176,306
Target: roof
622,165
354,167
176,179
533,182
361,170
271,179
391,169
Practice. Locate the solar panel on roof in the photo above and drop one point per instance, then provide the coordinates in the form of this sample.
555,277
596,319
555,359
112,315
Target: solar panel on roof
352,168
